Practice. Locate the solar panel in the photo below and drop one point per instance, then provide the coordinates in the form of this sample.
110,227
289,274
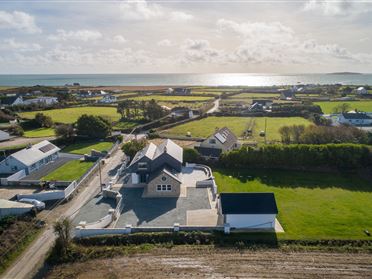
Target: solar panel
46,148
220,138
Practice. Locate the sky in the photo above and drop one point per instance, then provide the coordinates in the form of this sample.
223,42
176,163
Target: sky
65,36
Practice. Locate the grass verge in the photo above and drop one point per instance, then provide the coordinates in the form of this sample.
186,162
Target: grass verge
85,147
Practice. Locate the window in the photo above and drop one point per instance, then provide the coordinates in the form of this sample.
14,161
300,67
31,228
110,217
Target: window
163,188
163,178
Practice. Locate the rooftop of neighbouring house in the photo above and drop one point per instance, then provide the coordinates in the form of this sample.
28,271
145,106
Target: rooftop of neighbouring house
248,203
356,115
226,137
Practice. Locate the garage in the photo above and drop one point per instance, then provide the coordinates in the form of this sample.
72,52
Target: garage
14,208
248,210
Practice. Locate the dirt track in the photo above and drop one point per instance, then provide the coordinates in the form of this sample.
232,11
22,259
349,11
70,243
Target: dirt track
203,263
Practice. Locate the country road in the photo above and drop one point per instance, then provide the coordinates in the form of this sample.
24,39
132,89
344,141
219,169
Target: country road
215,107
32,259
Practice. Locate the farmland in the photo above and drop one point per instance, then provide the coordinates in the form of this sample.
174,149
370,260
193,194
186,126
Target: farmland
38,133
70,171
86,147
70,115
254,95
206,126
328,107
311,205
166,98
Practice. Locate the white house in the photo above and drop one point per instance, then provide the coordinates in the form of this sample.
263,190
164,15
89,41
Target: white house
14,208
361,91
30,159
355,118
108,99
11,100
248,210
41,100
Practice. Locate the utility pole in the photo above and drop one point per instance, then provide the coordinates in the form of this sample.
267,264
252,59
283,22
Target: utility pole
100,176
265,128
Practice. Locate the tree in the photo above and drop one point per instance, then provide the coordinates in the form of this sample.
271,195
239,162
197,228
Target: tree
191,155
43,120
65,131
285,133
93,126
341,108
62,229
132,147
16,130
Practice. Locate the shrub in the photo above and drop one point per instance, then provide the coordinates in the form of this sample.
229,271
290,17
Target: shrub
16,130
93,126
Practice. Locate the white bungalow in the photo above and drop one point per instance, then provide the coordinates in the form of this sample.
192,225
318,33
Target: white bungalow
361,91
355,118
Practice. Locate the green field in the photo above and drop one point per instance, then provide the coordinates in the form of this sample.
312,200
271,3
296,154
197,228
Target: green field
70,115
328,107
171,98
38,133
70,171
206,126
254,95
311,205
86,147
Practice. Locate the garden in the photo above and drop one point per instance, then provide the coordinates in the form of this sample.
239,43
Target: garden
70,171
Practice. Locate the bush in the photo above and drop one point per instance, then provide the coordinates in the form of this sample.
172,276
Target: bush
132,147
43,120
16,130
93,126
191,155
342,156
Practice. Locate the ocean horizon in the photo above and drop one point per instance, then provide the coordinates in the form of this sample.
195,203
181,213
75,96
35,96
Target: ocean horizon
216,79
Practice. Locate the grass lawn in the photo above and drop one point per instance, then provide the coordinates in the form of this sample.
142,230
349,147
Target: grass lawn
328,107
311,205
70,171
171,98
254,95
70,115
206,126
38,133
86,147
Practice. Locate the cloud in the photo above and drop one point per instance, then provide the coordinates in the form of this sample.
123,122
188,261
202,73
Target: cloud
201,51
140,10
337,8
79,35
180,16
19,21
119,39
11,44
165,43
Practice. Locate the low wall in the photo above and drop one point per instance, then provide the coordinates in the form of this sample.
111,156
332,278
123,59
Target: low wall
17,176
44,196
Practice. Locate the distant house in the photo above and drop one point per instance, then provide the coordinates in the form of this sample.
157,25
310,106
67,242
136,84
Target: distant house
4,136
179,91
108,99
12,208
248,210
287,94
11,100
221,141
355,118
361,91
259,105
158,168
30,159
46,101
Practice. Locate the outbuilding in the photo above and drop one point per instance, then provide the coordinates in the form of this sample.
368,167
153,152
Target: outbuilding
14,208
248,210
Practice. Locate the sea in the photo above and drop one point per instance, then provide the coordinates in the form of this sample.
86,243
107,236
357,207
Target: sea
217,79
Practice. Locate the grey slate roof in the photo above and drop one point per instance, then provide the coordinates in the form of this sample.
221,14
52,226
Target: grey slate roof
167,172
4,135
29,156
226,137
209,151
248,203
356,115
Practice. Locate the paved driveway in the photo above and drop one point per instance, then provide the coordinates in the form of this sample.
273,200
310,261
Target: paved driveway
149,212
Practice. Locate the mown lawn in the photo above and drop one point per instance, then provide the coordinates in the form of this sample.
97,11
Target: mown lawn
311,205
86,147
70,171
170,98
328,107
40,132
70,115
206,126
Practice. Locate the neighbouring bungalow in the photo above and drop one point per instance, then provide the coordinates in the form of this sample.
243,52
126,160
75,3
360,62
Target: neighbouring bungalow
361,91
248,210
30,159
11,100
287,94
158,169
179,91
46,101
222,140
260,105
12,208
108,99
355,118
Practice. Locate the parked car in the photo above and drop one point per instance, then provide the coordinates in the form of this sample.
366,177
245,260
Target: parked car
37,204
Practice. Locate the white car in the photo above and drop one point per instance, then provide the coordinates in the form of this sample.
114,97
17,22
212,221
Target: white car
38,204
